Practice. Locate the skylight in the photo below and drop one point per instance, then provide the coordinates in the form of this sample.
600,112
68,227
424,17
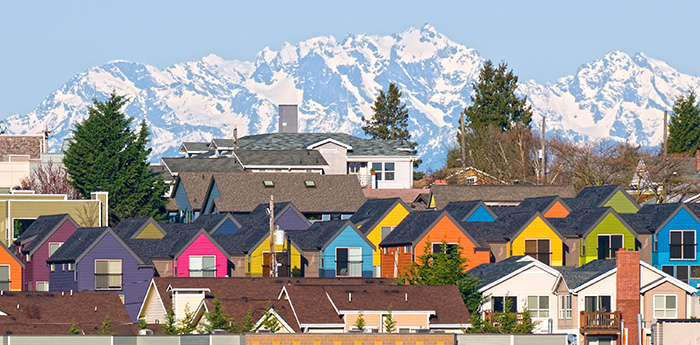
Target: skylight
268,184
310,184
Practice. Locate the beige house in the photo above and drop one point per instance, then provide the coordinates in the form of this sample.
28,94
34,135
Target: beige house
17,155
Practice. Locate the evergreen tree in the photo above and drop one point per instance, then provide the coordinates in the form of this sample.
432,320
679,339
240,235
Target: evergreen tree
270,320
216,317
106,154
249,322
684,126
360,321
186,324
389,322
445,267
73,330
170,325
106,327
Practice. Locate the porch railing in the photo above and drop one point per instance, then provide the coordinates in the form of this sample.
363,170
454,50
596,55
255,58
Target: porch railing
600,321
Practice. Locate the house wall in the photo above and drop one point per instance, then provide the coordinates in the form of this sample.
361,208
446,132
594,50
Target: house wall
185,301
557,211
135,280
256,257
604,287
336,156
538,229
62,279
572,251
645,247
682,220
290,220
153,308
239,264
37,269
8,259
13,170
374,319
395,216
347,238
311,263
480,215
609,225
403,172
564,324
621,203
180,195
228,227
164,267
666,288
499,251
201,246
395,260
150,232
446,230
532,282
213,194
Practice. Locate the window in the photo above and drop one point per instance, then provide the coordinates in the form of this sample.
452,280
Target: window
664,306
389,171
538,306
384,171
470,180
694,272
449,248
20,225
71,266
53,247
52,267
42,286
682,245
348,262
108,274
498,304
538,249
565,307
608,245
407,249
682,273
377,167
203,266
5,278
386,230
668,269
595,340
598,304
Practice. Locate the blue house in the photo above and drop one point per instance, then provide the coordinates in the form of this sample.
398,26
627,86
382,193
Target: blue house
96,259
334,248
675,228
470,211
218,223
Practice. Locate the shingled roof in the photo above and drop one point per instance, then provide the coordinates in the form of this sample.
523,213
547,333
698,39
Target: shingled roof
177,235
302,141
40,230
461,210
179,165
30,145
304,158
491,272
209,222
595,196
242,192
373,211
577,276
320,234
579,221
542,204
77,244
408,231
443,194
407,195
195,185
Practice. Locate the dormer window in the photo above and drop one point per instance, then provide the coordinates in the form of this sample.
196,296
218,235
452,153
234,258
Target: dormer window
268,184
310,184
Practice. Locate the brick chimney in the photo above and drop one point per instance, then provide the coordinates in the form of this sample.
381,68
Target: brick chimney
628,292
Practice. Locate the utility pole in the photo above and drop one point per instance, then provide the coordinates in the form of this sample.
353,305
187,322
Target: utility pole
461,139
665,138
273,261
544,169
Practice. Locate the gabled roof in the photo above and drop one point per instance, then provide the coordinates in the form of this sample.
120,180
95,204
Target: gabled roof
129,228
411,227
596,196
298,141
181,248
489,273
82,241
581,221
40,230
374,211
407,195
24,144
196,186
280,158
242,192
321,234
177,235
210,222
193,147
179,165
443,194
461,210
579,277
543,204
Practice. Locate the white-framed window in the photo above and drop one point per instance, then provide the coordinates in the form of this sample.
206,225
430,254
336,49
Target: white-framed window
470,180
682,244
42,286
449,247
565,307
108,274
52,267
53,247
202,266
665,307
5,277
596,340
386,230
538,306
384,171
348,262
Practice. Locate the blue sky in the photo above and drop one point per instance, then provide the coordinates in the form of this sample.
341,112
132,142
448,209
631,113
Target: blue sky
44,43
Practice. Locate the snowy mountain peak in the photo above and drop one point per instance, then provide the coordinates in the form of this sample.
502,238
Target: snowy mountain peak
335,83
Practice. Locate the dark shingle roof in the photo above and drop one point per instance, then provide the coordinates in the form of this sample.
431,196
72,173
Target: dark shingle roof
195,185
76,245
539,204
578,221
177,235
372,212
301,141
39,230
181,164
128,226
577,276
461,209
592,196
505,227
209,221
160,170
318,235
491,272
411,228
443,194
280,157
195,146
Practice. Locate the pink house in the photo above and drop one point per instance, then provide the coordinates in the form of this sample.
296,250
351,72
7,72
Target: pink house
37,243
202,256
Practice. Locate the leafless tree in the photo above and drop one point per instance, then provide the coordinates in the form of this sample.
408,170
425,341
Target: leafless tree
49,178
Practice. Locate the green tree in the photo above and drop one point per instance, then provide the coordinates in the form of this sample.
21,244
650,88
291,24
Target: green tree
187,324
106,154
249,322
360,321
445,267
684,126
216,317
270,320
142,324
106,326
389,322
504,322
170,325
73,330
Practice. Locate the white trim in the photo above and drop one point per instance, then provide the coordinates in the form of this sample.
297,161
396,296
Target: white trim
533,263
595,280
152,285
664,309
329,140
277,316
324,325
671,278
170,288
369,159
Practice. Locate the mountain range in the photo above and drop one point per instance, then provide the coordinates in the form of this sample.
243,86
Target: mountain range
335,83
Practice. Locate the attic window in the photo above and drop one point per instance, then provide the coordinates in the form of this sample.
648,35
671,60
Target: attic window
268,184
310,184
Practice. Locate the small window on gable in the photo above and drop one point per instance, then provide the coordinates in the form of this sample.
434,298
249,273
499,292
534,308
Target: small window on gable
268,184
310,184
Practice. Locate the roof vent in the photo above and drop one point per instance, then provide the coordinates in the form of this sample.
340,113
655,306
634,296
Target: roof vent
310,184
268,184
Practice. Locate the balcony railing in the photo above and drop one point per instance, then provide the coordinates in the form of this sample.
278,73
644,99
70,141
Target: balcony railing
365,180
607,321
489,315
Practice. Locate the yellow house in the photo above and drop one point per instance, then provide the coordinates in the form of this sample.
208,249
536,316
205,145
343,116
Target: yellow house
539,239
19,209
376,219
287,256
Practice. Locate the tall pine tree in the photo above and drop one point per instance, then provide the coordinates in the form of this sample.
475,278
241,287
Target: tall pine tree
106,154
684,126
390,120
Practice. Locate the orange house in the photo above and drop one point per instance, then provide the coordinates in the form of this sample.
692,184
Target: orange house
425,231
548,206
11,270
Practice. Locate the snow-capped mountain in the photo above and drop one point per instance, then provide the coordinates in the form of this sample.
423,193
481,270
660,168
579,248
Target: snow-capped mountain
335,82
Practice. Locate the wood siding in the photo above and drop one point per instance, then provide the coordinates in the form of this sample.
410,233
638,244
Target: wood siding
480,215
395,261
8,259
256,258
538,229
150,232
621,203
392,219
201,246
348,238
610,225
446,230
36,269
556,211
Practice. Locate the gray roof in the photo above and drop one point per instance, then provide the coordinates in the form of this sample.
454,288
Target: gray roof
281,158
77,244
195,146
409,230
594,196
177,236
491,272
504,228
539,204
443,194
209,221
300,141
577,276
128,226
578,221
160,170
40,229
181,164
372,212
461,209
318,235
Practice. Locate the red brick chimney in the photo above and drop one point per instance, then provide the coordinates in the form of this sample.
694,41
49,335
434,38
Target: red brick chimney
628,292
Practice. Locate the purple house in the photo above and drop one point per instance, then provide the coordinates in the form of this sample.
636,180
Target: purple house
96,259
37,243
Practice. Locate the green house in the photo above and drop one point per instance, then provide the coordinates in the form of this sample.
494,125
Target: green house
604,196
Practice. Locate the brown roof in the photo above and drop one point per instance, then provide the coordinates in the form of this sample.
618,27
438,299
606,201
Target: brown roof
171,205
51,312
443,194
242,192
406,195
238,309
196,184
21,145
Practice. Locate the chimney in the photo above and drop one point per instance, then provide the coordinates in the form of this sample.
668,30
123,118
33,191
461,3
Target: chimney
628,292
440,182
288,118
697,160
